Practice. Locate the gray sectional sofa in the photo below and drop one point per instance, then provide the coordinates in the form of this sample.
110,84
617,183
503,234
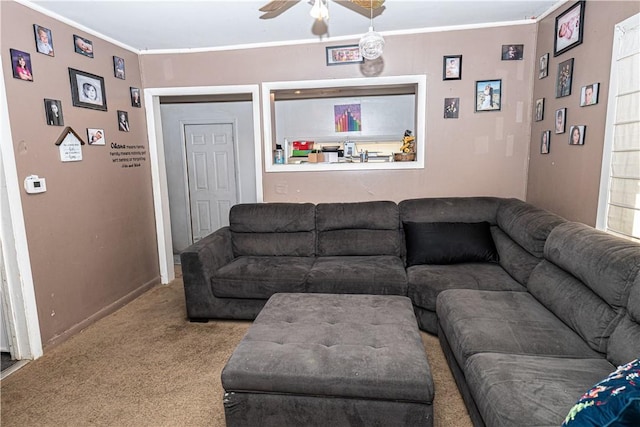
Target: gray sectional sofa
531,309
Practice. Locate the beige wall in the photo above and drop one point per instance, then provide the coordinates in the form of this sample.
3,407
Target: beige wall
477,154
91,236
567,179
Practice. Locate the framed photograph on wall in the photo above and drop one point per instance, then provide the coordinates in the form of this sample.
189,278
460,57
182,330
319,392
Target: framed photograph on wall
539,109
488,95
589,94
569,28
451,108
563,80
83,46
87,90
512,52
123,121
44,40
21,65
561,117
95,136
118,67
53,112
452,67
348,54
543,66
135,97
576,135
545,142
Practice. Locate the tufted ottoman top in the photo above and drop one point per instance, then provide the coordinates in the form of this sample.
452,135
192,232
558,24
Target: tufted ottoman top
362,346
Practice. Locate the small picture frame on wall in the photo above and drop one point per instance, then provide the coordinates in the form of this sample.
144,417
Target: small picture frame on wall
87,90
123,121
539,109
545,142
488,95
451,108
95,136
563,80
118,68
83,46
135,97
569,28
561,117
44,40
576,134
543,66
53,112
347,54
452,67
589,94
21,65
512,52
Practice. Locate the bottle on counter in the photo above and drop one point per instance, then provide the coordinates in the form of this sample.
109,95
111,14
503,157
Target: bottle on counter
364,156
278,155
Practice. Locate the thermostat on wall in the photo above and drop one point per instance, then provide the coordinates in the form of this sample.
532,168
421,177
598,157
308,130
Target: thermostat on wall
33,184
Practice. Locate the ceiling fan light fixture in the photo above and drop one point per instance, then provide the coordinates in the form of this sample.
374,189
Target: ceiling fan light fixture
319,10
371,44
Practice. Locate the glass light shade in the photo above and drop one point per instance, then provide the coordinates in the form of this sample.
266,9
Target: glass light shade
371,44
319,10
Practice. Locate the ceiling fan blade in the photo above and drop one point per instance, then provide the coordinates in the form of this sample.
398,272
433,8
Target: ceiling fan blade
276,5
368,4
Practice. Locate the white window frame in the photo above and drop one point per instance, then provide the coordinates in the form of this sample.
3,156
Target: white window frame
605,177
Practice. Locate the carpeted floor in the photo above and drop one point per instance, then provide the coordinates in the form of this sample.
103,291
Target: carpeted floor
145,365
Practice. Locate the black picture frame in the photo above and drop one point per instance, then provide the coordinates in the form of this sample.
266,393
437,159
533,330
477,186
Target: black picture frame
569,28
21,71
589,94
545,142
452,67
123,121
560,123
543,66
512,52
118,68
488,95
136,97
451,108
539,110
564,78
44,40
87,90
83,46
579,131
53,112
345,54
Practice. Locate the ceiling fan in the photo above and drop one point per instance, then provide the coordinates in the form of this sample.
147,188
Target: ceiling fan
276,7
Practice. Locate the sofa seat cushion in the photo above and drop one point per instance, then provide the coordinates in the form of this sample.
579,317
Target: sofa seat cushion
520,390
505,322
378,275
427,281
261,276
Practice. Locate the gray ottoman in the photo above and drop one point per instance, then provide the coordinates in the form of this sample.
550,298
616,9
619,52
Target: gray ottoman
330,360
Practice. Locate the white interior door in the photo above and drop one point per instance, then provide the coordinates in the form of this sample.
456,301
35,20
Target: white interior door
211,172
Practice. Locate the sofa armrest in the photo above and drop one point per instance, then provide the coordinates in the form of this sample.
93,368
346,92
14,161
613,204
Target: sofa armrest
199,262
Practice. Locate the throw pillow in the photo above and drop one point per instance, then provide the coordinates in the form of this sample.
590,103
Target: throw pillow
614,401
449,242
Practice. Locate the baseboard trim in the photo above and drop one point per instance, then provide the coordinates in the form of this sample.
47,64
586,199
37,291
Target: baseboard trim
111,308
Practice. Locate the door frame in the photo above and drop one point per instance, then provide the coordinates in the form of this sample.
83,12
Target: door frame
157,160
236,164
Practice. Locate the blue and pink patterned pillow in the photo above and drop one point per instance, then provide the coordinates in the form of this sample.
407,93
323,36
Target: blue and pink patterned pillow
614,401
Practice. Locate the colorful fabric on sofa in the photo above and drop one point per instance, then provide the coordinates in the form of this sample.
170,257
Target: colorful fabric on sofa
614,401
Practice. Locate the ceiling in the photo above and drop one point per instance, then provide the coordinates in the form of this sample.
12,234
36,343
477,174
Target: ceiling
147,25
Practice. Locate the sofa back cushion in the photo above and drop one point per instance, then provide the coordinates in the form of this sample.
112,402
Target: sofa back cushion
520,236
586,279
363,228
273,229
450,209
624,344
